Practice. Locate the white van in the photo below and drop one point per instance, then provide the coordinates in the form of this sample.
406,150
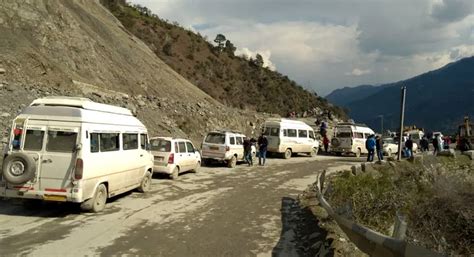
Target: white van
288,137
350,138
75,150
225,146
174,156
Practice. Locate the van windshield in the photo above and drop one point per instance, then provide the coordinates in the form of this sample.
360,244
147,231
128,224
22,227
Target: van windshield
215,138
343,134
61,141
160,145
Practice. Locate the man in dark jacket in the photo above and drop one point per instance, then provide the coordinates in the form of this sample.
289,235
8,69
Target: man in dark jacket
379,147
370,145
409,146
262,149
248,151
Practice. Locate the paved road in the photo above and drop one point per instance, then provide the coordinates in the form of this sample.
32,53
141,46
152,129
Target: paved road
217,212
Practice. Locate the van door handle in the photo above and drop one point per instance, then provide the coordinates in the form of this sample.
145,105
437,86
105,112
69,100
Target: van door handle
47,161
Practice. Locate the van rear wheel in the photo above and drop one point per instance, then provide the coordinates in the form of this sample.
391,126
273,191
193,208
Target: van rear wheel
358,153
96,203
287,154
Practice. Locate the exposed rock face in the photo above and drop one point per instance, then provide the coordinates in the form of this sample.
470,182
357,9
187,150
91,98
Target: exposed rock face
77,48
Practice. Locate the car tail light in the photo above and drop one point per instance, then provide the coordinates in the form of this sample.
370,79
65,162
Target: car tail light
171,158
227,148
79,169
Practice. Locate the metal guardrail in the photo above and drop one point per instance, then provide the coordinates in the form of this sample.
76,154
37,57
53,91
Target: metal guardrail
371,242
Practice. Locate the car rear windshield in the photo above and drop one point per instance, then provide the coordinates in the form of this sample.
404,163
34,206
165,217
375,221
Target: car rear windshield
343,134
215,138
61,141
160,145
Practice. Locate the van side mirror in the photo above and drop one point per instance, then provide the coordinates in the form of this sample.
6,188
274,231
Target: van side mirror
78,147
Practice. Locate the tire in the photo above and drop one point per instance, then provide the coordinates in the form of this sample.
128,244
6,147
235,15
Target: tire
335,142
96,203
198,166
205,162
232,162
18,168
145,186
314,152
175,174
358,153
287,154
338,154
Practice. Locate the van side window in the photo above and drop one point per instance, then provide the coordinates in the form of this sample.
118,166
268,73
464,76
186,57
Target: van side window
291,132
240,140
366,135
130,141
311,134
232,140
94,142
61,141
190,147
143,141
182,147
34,140
109,142
303,133
358,135
176,148
285,132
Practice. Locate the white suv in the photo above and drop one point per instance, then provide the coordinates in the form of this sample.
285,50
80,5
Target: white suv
174,155
226,146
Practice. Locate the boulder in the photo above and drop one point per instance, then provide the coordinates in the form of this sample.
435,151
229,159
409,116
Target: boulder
448,153
2,71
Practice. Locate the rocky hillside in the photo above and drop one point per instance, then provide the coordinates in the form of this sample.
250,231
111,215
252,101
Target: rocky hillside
232,80
77,48
436,100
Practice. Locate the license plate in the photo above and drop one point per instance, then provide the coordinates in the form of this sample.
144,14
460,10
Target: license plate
57,198
214,148
159,158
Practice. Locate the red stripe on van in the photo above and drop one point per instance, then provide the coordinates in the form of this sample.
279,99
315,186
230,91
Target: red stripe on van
55,190
23,187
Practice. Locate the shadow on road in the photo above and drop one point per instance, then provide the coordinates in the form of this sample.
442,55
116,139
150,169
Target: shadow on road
300,234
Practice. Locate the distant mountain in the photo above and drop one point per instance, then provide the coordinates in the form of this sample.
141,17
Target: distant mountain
347,95
436,100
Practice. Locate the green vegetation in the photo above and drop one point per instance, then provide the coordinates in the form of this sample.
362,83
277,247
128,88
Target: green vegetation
436,196
232,80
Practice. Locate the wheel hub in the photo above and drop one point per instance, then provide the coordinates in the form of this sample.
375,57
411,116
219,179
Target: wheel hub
17,168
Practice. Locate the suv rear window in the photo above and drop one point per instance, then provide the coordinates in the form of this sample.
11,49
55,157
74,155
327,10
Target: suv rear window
215,138
344,134
160,145
61,141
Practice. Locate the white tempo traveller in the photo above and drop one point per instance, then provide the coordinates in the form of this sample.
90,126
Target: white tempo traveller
75,150
290,136
350,138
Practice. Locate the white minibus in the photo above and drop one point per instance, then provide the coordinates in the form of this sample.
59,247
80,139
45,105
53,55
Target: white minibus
75,150
288,137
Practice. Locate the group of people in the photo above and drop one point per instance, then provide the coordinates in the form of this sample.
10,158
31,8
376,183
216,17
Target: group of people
374,144
261,144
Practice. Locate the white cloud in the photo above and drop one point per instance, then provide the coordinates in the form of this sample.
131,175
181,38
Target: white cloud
266,54
358,72
316,41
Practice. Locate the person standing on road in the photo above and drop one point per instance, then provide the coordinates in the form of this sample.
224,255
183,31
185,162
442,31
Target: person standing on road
436,145
370,145
262,149
248,151
379,147
424,145
326,144
409,147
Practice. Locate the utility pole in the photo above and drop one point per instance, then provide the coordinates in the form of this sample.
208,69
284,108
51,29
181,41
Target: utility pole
402,117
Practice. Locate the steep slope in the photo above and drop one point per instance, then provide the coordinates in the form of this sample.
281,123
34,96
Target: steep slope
230,79
78,48
347,95
436,100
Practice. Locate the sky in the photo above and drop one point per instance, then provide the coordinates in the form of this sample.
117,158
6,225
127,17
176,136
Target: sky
328,44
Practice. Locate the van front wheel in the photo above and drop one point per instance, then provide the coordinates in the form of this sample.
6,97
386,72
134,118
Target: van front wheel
145,186
232,162
358,153
287,154
96,203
